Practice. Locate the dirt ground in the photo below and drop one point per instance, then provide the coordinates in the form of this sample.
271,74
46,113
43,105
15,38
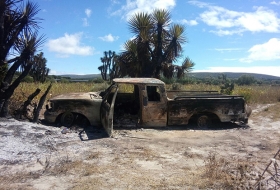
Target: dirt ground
229,156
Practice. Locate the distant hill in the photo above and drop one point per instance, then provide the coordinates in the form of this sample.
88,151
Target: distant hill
89,76
229,75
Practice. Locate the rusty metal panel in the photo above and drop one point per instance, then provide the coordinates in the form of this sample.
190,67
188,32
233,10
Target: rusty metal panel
77,95
154,111
87,104
138,80
226,109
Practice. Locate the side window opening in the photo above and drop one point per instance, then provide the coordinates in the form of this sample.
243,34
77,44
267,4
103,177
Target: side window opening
153,93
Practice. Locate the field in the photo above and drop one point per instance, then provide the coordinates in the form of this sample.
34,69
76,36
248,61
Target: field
253,94
231,156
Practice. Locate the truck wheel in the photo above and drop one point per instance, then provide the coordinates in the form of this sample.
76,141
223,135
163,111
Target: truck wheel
204,121
82,121
67,119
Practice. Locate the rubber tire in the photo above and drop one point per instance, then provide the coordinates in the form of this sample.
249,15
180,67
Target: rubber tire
67,119
204,121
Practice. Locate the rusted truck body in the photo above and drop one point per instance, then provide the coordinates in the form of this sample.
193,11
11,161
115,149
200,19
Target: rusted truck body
145,102
67,108
149,104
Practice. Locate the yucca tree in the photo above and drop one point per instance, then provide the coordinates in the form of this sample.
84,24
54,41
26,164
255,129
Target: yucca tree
141,26
18,34
157,42
107,62
39,70
128,61
187,66
110,67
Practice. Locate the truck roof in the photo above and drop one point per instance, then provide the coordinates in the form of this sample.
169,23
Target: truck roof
138,80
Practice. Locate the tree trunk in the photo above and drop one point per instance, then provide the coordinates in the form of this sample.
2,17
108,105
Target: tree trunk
23,110
5,108
7,92
40,105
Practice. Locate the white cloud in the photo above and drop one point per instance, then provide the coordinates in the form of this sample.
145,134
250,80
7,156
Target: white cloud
228,22
222,50
88,12
227,32
148,6
69,44
189,22
268,70
109,38
275,3
85,20
264,52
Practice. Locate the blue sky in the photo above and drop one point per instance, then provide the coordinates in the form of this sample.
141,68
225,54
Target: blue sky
223,35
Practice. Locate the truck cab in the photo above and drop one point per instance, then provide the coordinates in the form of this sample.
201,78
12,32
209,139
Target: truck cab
134,101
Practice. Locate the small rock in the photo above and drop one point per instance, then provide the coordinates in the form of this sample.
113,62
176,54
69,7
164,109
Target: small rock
48,132
65,130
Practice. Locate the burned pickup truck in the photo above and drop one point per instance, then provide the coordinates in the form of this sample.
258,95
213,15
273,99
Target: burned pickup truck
146,102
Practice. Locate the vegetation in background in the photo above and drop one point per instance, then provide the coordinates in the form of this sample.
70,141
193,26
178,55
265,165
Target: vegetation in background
153,51
110,69
227,86
245,80
19,34
39,70
254,94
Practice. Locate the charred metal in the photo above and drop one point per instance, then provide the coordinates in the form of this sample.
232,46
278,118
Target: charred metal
146,102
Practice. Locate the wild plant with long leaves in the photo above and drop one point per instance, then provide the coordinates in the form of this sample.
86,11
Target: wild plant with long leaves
19,42
157,44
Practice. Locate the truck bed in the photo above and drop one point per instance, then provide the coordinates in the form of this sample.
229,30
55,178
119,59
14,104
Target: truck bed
225,108
171,94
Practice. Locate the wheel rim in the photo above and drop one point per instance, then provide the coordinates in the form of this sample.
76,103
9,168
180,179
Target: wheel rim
67,119
203,121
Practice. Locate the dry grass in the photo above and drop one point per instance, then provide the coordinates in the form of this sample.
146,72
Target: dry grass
259,94
252,94
61,167
25,89
238,173
222,173
17,180
131,180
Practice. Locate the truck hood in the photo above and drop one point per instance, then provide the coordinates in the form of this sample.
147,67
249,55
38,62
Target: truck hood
77,96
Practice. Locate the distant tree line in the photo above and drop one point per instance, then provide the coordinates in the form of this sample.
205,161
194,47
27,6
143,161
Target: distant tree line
243,80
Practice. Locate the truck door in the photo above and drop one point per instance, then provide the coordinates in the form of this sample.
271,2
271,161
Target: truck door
107,109
154,106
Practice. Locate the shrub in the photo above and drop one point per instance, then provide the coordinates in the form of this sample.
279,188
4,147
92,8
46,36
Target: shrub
176,86
64,80
247,93
97,80
28,79
227,88
168,81
246,80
